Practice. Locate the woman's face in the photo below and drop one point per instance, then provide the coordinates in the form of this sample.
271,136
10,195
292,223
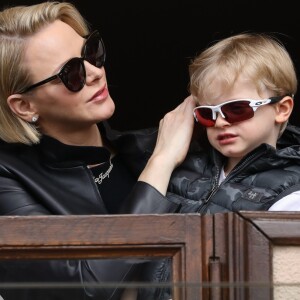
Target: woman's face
61,111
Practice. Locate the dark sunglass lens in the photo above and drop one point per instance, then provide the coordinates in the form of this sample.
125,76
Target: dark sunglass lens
73,74
237,111
204,116
94,51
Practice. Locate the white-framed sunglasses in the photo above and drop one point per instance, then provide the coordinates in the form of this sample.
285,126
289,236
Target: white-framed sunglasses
232,111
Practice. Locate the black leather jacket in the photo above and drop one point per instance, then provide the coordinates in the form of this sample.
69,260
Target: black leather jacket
46,179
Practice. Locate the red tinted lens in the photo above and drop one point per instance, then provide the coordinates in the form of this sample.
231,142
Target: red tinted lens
234,112
204,116
73,74
94,51
237,111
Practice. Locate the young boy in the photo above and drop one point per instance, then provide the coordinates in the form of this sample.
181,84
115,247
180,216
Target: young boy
243,87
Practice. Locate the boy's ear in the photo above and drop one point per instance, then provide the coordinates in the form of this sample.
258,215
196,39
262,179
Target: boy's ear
284,109
21,106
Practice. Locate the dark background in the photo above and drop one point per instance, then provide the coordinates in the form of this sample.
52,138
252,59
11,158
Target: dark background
150,44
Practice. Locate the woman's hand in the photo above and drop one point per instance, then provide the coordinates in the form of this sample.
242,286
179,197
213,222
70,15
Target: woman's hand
174,137
175,132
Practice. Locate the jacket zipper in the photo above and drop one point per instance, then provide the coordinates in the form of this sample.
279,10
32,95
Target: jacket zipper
233,173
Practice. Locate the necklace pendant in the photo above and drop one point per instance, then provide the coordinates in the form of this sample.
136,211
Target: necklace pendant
102,175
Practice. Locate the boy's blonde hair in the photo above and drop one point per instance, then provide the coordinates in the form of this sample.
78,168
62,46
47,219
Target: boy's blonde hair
17,24
259,57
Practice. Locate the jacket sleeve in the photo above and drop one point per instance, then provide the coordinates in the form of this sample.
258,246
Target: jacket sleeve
15,200
145,199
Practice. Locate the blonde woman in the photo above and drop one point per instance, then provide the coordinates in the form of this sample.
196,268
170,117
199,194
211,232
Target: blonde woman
58,155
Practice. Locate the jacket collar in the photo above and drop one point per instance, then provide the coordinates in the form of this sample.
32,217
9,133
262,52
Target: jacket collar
53,151
290,137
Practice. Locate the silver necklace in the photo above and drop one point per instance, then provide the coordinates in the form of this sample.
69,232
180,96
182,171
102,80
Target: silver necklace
102,175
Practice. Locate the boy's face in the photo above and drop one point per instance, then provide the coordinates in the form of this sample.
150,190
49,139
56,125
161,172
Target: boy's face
235,140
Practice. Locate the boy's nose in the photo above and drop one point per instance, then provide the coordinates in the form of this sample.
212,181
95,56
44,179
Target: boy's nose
220,121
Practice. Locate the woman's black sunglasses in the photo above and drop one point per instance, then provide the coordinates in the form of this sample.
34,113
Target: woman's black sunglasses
73,74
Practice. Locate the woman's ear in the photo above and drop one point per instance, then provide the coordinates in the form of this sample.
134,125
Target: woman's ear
21,106
284,109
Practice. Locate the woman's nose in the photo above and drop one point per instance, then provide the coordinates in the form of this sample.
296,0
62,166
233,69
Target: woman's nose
93,73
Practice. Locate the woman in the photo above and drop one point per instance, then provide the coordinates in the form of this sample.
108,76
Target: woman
58,155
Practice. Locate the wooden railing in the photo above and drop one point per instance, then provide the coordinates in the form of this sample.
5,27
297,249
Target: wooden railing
217,257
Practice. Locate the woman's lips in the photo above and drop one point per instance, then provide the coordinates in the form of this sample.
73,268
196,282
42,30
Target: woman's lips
100,95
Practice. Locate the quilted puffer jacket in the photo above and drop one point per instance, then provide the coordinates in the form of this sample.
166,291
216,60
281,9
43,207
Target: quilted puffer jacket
263,177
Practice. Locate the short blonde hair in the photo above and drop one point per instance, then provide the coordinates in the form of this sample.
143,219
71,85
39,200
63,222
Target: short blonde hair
17,24
260,57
